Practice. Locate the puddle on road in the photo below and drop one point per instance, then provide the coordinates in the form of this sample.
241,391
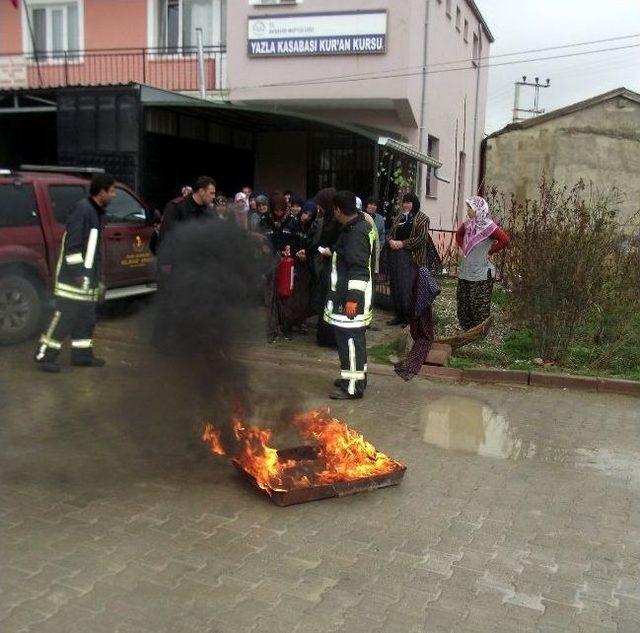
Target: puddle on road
472,426
469,425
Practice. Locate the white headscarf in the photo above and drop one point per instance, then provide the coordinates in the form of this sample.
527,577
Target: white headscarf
480,227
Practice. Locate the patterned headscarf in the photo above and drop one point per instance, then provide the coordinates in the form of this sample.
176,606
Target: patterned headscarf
479,228
242,202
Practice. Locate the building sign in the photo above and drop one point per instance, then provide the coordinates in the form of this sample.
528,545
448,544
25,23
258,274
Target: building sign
13,72
348,33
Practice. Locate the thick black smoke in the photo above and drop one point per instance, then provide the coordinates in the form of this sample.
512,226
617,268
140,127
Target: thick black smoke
142,415
210,316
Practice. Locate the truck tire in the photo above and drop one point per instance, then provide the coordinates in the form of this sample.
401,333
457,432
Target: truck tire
20,309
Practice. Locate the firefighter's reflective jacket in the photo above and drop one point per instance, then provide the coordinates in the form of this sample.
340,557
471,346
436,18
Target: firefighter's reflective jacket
78,272
351,275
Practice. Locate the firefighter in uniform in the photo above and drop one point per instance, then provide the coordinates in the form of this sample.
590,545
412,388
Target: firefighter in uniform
77,287
349,303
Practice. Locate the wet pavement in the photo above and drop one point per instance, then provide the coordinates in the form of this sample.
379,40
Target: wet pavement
519,510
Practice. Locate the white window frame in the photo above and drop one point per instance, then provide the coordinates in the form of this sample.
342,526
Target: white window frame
430,174
475,51
273,3
152,27
46,57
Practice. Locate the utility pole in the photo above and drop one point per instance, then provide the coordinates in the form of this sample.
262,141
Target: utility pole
520,114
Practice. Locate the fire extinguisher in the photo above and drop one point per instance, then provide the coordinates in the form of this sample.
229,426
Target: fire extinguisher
285,276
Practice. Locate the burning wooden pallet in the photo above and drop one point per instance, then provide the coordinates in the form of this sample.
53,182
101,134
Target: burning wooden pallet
338,461
308,461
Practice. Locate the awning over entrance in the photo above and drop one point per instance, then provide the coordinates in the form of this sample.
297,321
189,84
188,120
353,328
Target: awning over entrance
408,150
262,118
155,140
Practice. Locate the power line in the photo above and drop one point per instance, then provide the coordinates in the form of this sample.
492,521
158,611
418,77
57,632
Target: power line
393,74
479,60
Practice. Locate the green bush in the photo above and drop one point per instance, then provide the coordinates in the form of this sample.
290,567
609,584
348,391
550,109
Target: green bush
570,260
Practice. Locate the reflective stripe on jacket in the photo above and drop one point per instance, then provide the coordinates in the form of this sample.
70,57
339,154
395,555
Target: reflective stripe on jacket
78,271
351,275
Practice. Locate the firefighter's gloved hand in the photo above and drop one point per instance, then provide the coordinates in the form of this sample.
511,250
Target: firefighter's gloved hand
351,309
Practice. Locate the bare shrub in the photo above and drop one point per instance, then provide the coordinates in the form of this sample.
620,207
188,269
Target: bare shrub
566,262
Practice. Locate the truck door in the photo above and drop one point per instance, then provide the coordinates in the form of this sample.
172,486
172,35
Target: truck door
126,255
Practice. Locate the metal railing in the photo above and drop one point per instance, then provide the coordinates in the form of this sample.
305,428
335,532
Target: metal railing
445,243
168,68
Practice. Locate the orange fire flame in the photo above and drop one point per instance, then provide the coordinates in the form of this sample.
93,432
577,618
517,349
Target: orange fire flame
210,435
342,454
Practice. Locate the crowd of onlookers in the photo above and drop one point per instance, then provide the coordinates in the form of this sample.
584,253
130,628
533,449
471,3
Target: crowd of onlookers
301,235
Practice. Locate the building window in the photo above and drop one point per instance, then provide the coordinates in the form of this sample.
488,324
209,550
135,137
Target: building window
177,22
475,50
462,177
53,29
448,8
458,18
268,2
433,150
465,32
343,161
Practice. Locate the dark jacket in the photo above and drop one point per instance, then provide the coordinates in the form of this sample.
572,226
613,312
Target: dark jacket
281,234
419,243
351,274
79,269
176,211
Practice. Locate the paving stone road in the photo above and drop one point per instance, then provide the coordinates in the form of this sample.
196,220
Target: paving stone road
519,511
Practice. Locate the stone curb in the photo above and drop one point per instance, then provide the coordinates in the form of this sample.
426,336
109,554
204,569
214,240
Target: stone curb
563,381
493,375
503,376
450,374
619,386
487,375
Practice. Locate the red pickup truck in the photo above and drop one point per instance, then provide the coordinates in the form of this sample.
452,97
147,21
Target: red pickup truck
34,205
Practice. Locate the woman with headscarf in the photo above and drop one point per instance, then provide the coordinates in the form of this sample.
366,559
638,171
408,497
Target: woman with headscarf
327,235
479,237
408,240
241,210
300,301
425,291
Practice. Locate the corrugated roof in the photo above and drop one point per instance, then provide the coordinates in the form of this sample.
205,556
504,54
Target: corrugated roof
574,107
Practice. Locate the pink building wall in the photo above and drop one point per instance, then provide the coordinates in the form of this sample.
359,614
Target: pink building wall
10,31
248,76
108,24
115,24
391,104
451,101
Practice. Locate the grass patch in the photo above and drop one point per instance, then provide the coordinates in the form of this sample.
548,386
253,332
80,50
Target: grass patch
514,349
458,362
380,353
